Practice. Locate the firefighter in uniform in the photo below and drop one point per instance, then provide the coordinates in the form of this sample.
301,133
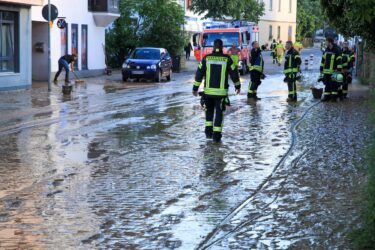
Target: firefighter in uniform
330,70
279,53
256,71
273,51
214,69
347,67
291,69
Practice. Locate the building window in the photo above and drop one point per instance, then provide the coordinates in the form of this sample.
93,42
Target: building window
270,36
290,33
271,5
290,6
9,42
74,46
114,4
278,32
279,5
84,38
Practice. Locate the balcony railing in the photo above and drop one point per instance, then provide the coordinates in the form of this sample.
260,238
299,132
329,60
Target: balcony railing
110,6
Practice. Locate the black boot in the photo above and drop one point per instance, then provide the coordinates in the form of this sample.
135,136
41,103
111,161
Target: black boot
208,131
216,136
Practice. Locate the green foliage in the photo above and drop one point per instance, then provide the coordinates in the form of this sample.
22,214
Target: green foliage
156,23
309,18
352,17
364,237
248,10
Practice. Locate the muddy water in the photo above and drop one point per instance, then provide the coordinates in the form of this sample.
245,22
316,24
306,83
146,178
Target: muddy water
132,169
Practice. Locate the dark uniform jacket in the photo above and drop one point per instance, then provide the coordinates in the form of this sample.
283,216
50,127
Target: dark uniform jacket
331,60
292,61
215,68
256,60
68,58
347,59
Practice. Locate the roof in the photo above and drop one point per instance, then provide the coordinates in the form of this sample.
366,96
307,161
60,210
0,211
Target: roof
24,2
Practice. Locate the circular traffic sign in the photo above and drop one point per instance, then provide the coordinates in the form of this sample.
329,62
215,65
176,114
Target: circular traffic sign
54,12
61,24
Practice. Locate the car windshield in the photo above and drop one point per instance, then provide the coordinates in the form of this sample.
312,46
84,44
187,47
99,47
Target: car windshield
153,54
228,38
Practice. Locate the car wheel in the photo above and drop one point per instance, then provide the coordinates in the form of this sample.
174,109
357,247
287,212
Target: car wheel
169,77
158,76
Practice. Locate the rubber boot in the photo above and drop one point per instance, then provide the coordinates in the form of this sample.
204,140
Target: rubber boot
208,131
216,136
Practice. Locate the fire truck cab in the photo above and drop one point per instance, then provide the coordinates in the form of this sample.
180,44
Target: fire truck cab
239,33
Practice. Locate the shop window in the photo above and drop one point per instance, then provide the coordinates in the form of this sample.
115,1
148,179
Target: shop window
270,36
74,46
9,41
64,40
84,43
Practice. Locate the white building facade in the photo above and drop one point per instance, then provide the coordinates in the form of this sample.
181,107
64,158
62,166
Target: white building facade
84,35
278,22
15,44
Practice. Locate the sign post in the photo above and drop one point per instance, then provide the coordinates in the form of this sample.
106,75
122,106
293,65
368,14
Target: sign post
49,13
49,45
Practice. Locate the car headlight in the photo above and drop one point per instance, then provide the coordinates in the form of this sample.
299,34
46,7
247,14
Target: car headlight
125,66
153,66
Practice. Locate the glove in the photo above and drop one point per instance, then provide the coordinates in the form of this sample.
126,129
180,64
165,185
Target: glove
263,76
203,99
298,77
286,79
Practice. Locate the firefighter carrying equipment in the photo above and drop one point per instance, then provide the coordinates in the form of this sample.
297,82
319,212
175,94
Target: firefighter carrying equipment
331,63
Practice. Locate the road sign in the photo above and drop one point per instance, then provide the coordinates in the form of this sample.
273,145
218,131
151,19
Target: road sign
54,12
61,24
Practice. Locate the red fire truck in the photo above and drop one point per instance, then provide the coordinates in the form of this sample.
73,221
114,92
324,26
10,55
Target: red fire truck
240,33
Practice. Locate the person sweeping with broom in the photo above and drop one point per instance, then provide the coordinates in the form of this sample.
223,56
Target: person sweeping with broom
64,62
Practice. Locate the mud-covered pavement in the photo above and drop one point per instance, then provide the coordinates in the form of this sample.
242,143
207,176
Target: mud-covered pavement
119,166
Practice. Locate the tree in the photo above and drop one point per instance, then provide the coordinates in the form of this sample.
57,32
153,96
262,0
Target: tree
309,18
351,17
156,23
248,10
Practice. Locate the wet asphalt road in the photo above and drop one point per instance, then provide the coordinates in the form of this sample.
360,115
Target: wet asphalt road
122,168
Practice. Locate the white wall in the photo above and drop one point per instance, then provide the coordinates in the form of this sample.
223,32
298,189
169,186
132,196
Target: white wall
75,12
281,16
9,81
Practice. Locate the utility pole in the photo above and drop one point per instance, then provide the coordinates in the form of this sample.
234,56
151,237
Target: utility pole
49,45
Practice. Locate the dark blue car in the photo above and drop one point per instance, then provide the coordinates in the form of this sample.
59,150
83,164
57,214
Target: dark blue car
148,63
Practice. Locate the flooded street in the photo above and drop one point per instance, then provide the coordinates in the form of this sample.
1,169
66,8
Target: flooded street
118,167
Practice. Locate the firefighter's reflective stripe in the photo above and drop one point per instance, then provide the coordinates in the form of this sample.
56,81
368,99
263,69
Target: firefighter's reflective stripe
197,83
290,69
209,123
218,129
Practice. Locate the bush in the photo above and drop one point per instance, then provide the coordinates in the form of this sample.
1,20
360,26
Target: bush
364,237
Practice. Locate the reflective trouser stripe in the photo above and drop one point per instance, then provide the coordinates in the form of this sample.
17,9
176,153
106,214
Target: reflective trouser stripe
218,129
209,123
250,87
345,91
334,93
327,93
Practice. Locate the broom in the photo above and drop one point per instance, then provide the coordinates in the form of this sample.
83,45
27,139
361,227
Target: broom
77,78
